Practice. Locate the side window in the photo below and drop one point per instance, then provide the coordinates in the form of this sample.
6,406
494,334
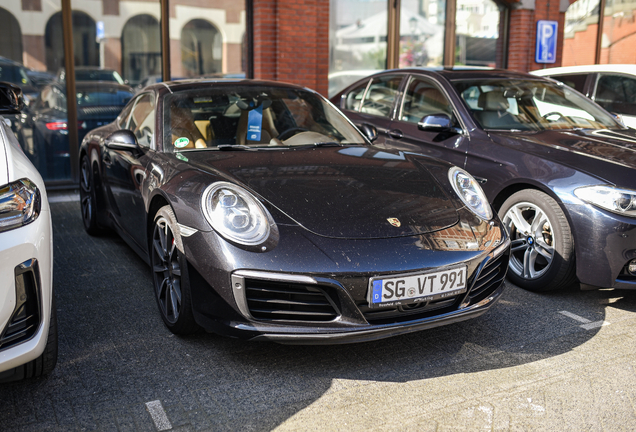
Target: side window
576,81
142,120
381,96
354,97
122,118
617,94
423,98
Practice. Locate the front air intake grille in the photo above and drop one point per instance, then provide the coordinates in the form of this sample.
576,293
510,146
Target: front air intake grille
25,320
409,312
489,278
283,301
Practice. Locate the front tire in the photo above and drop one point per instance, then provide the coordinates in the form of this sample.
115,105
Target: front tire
542,250
170,274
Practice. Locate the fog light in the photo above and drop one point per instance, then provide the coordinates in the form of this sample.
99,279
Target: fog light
631,267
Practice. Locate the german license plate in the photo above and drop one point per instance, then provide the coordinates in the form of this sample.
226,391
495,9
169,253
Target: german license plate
401,290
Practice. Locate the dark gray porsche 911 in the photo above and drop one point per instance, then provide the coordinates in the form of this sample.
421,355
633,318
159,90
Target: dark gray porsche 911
265,214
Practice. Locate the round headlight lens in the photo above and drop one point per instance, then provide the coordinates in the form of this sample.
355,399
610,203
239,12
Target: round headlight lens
469,191
235,214
614,199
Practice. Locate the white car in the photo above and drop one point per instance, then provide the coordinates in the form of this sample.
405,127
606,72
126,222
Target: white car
28,327
612,86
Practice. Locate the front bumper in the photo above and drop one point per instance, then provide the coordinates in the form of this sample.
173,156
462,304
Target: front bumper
604,243
307,306
28,251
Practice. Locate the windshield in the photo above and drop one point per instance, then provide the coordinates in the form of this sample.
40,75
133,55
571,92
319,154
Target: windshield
14,74
531,105
253,116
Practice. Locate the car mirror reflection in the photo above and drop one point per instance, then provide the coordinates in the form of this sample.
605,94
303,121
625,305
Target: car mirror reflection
436,123
122,140
369,131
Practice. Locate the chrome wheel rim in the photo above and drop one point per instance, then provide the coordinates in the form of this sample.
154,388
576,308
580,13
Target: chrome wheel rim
166,270
86,201
532,249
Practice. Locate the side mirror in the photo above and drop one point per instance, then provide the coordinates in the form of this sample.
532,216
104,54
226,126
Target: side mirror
11,98
122,140
369,131
436,123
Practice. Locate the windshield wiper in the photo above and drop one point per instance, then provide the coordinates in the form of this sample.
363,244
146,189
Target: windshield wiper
236,147
327,144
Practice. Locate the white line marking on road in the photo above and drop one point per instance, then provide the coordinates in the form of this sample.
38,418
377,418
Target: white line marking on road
158,415
575,317
595,324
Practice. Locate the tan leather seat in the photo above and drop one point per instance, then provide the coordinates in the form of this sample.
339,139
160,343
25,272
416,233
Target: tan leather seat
182,126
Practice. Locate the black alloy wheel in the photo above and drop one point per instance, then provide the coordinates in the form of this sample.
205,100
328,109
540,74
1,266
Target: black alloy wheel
87,197
170,275
542,249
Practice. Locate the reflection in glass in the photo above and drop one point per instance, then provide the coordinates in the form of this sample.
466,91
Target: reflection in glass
141,49
201,49
357,40
581,27
422,32
619,32
477,33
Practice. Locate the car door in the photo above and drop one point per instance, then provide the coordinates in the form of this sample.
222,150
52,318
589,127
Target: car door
423,97
125,171
617,94
373,102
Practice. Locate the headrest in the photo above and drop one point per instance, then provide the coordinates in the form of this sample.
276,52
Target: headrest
493,101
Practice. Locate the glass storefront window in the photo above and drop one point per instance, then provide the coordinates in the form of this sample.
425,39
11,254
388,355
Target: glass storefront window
422,32
580,32
619,32
357,40
476,33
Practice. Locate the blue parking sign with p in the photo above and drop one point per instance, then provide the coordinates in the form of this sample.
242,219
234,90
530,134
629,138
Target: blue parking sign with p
547,32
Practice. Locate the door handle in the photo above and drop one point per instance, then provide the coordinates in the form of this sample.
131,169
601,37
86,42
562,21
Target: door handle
396,133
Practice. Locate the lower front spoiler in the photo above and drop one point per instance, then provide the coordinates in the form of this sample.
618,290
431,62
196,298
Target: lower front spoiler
371,332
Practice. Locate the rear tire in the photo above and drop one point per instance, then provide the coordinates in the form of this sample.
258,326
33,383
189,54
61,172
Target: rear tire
542,251
170,274
88,198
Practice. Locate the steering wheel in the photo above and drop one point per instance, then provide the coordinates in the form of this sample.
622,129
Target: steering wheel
553,113
288,133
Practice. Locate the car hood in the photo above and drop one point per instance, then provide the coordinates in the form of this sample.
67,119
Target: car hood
342,192
607,154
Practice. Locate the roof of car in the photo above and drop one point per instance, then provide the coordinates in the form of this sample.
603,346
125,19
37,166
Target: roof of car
624,68
188,84
11,62
470,72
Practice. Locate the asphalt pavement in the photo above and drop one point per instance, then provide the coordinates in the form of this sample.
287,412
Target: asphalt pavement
554,362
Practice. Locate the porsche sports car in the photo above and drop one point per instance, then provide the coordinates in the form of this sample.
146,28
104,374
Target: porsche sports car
560,170
28,326
265,214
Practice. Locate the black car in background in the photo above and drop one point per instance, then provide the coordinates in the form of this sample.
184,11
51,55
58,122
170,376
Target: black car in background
558,168
43,132
265,214
15,73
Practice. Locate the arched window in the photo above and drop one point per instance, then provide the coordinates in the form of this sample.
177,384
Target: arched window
201,49
141,48
10,36
86,48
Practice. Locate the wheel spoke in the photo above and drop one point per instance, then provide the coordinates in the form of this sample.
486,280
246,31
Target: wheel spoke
539,220
176,270
162,240
175,303
518,221
544,249
518,245
529,260
160,268
162,288
157,245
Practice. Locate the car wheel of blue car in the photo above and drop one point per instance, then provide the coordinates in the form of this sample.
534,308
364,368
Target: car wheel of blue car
170,274
542,251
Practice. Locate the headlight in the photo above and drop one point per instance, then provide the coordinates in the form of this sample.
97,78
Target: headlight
235,214
616,200
469,191
20,204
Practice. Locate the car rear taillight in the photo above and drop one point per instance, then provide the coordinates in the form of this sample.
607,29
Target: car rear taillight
58,125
